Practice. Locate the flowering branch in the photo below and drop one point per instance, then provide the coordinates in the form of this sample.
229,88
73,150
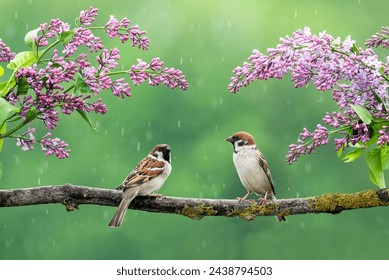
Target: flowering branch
195,208
51,79
359,82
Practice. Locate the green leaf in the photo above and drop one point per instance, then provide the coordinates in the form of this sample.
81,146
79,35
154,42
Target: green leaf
1,71
362,113
373,159
5,109
372,178
353,155
3,129
86,118
80,86
29,38
26,58
23,86
355,49
66,36
5,87
340,152
31,114
385,157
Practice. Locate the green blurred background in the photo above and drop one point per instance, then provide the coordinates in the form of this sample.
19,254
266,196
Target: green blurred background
205,39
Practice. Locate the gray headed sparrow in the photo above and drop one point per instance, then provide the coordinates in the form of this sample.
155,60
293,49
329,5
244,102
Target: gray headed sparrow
147,177
252,168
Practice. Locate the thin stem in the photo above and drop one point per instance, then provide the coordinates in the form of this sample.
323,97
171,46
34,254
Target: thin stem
16,128
46,50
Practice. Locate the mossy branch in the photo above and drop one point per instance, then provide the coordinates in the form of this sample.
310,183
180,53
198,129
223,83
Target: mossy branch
195,208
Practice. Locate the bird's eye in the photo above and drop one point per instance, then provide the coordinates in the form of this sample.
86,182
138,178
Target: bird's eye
241,143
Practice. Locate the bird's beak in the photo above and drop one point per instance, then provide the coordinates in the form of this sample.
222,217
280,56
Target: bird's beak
229,139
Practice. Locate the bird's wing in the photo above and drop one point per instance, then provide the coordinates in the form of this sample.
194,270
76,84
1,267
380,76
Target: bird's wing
146,170
262,162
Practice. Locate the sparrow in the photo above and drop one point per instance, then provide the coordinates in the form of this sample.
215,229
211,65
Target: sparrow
147,178
252,168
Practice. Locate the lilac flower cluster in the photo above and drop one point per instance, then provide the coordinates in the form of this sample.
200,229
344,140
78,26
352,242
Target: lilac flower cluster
5,53
154,72
355,76
65,82
49,146
379,39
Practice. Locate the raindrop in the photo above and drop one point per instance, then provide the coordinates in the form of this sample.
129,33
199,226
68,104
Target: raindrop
222,59
297,195
191,60
315,13
17,160
308,168
229,23
179,124
122,131
138,147
216,128
16,15
295,13
39,181
181,60
148,123
32,220
27,27
191,26
106,133
302,225
30,2
47,211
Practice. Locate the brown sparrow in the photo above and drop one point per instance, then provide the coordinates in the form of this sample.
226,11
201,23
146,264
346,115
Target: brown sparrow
147,177
252,168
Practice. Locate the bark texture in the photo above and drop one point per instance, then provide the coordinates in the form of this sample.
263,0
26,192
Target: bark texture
195,208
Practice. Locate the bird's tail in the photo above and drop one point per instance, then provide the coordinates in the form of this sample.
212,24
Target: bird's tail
128,196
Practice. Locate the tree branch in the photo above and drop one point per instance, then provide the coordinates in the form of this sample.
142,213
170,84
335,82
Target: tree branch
195,208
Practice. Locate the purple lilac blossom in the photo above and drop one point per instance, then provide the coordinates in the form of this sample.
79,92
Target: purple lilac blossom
87,17
54,146
379,39
5,53
355,76
383,139
154,73
27,140
64,83
114,28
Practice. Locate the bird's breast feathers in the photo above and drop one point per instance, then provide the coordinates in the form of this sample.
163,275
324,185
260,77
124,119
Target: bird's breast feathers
252,176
